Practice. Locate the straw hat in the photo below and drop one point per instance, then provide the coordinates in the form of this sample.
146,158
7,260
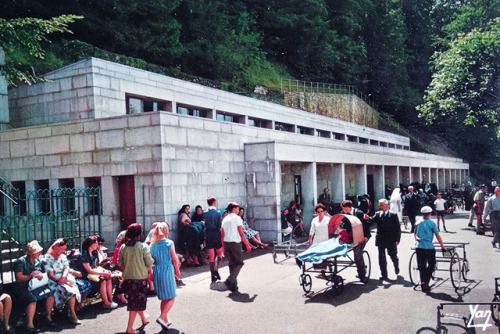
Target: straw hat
33,247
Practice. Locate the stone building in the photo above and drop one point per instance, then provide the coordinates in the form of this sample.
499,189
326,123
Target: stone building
154,143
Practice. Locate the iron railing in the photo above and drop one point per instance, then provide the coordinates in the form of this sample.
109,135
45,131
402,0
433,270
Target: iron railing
45,215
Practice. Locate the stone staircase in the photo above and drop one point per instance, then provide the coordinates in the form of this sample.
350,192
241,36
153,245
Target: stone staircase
11,250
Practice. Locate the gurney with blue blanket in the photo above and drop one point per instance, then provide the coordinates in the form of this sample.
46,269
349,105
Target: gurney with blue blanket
329,258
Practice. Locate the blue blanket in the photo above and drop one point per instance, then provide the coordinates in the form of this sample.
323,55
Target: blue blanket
319,252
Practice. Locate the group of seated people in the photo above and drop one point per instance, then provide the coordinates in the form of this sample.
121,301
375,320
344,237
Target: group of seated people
292,223
191,234
62,282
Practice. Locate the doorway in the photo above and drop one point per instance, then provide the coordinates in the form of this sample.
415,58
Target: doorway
126,189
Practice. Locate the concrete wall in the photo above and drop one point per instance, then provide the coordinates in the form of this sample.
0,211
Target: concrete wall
346,107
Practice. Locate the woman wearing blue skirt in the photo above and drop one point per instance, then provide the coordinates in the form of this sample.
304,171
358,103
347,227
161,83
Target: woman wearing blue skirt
165,271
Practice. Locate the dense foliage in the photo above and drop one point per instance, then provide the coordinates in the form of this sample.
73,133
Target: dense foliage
24,41
441,55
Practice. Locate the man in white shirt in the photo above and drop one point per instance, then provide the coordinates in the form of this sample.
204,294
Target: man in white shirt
232,234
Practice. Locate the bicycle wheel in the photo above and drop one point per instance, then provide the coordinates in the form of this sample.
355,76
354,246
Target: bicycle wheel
455,271
414,272
495,309
368,266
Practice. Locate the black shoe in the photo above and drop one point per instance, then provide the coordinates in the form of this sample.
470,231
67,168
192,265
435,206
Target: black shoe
383,278
425,287
396,269
217,275
470,225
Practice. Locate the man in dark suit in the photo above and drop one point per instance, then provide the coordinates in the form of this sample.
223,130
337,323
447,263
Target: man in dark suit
388,237
412,206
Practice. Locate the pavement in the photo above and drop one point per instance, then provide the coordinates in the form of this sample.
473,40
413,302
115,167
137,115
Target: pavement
272,301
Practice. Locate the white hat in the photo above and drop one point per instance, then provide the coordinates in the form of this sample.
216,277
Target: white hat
426,209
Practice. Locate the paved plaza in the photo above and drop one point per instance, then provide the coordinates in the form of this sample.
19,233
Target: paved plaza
272,301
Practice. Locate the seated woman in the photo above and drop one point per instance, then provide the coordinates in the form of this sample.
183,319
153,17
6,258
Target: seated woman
251,235
295,218
86,264
188,237
5,309
107,263
27,268
62,281
198,214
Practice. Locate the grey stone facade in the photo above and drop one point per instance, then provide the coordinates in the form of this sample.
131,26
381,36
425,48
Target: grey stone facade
77,127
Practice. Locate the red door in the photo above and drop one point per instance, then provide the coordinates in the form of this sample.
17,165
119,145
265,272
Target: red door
126,191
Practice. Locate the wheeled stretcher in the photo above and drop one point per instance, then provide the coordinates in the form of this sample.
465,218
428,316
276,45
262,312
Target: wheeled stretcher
333,256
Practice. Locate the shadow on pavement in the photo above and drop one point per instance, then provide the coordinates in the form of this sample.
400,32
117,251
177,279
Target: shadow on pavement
352,291
242,297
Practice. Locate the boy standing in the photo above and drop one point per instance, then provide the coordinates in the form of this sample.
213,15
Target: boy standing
441,208
232,234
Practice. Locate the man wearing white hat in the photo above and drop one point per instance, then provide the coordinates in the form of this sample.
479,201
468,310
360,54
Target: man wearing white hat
425,230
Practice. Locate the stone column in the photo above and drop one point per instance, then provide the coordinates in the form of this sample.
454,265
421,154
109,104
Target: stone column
4,102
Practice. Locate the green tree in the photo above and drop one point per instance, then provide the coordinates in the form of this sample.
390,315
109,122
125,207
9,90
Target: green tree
385,39
463,97
24,41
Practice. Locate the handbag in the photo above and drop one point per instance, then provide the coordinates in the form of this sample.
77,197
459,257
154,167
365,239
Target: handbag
96,277
36,283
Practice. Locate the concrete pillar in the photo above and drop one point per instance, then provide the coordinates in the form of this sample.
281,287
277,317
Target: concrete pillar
309,192
4,101
338,183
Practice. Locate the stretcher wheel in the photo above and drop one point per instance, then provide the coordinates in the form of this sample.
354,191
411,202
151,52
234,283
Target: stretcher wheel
456,273
414,272
368,267
338,285
465,269
495,309
306,282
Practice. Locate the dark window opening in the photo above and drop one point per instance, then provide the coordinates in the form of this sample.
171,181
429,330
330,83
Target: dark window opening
283,127
140,104
183,109
305,131
259,123
323,134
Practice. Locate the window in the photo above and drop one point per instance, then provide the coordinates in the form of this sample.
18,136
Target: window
305,131
139,104
43,196
283,127
228,117
94,198
183,109
363,140
373,142
383,144
352,139
323,134
21,186
338,136
259,123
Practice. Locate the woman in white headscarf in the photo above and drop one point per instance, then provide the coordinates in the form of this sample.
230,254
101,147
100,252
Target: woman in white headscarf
395,204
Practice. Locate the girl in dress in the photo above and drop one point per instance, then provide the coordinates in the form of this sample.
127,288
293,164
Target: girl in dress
166,271
135,258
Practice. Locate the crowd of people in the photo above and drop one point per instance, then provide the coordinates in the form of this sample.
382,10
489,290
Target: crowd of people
388,220
62,279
